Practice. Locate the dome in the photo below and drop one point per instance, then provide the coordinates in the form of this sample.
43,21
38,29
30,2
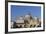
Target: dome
27,15
35,18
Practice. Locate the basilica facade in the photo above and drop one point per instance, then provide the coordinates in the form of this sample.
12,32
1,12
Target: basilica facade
26,21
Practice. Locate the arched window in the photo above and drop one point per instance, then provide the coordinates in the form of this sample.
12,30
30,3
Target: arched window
20,26
34,25
17,26
30,25
39,25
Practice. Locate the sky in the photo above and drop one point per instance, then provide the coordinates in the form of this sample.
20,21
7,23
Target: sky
23,10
